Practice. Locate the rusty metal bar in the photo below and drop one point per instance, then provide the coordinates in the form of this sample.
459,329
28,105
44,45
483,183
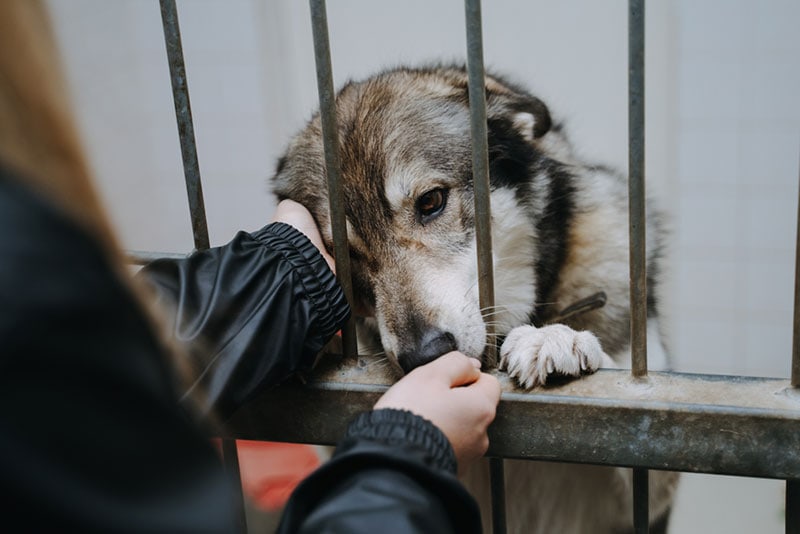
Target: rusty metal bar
636,187
194,188
480,168
483,229
796,331
183,114
675,422
637,227
330,135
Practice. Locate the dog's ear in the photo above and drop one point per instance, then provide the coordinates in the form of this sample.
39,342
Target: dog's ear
531,117
516,123
528,115
507,102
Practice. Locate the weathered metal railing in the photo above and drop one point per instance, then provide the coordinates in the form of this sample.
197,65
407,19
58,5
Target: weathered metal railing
194,188
637,227
731,425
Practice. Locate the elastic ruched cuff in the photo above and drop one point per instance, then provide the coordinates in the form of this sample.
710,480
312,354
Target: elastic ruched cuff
318,280
396,427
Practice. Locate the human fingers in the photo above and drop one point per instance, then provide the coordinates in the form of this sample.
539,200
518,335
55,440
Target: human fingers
467,428
455,368
481,399
489,386
424,390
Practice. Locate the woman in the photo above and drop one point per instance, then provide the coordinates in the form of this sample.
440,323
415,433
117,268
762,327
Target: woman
106,403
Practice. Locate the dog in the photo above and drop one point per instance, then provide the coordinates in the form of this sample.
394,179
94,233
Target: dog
560,254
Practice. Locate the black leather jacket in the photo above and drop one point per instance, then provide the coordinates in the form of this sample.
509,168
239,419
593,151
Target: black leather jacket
92,436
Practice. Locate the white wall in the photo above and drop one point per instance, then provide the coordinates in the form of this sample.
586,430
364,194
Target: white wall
723,134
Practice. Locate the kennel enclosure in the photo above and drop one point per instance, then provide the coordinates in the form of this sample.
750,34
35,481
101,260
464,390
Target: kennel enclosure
728,425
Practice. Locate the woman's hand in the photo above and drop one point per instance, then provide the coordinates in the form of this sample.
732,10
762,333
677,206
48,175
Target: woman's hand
295,214
453,394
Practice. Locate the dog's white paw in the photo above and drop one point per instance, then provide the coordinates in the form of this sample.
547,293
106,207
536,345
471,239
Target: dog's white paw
531,354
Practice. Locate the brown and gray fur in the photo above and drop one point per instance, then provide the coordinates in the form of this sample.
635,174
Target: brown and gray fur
559,234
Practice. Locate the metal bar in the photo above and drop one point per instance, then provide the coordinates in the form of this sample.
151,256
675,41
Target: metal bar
638,253
674,422
138,257
194,187
480,168
483,230
183,114
796,334
330,135
497,481
641,500
636,187
793,507
230,458
793,486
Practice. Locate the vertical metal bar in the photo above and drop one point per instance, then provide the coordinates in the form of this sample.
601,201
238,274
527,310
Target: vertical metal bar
498,489
230,458
792,507
330,136
480,167
793,486
480,175
636,187
796,331
183,113
641,501
638,257
194,190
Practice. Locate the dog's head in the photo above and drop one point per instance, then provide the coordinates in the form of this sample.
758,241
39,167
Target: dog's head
406,172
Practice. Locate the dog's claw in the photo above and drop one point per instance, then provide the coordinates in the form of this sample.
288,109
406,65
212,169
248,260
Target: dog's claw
532,354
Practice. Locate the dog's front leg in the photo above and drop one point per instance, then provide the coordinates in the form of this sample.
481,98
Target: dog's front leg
532,354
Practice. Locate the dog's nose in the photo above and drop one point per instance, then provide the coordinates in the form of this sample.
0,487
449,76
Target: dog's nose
432,344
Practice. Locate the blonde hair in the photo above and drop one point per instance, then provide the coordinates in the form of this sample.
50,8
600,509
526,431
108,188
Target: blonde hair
39,142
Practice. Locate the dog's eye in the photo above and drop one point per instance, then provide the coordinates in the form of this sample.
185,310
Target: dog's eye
431,204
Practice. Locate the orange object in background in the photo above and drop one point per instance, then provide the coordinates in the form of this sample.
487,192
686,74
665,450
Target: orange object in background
270,471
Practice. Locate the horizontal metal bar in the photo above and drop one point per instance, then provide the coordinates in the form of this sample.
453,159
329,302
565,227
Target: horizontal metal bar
670,421
138,257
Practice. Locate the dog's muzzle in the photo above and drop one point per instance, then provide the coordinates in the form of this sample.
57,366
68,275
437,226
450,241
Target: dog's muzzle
432,344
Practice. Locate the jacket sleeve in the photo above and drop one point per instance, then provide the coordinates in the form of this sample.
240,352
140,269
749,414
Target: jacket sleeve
393,471
251,313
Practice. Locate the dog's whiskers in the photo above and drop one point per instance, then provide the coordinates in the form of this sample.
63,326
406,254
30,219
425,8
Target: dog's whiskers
379,363
490,311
